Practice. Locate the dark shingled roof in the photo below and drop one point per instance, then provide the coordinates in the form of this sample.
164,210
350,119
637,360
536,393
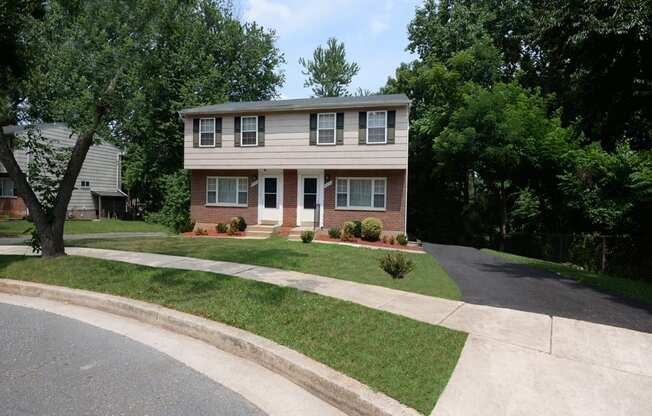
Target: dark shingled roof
389,100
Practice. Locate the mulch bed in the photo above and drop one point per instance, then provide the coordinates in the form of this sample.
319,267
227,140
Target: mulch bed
395,246
214,233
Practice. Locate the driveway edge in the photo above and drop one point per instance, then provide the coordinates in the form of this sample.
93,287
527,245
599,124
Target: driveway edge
343,392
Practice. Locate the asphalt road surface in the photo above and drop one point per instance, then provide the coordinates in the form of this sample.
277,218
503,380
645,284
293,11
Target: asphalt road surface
489,280
52,365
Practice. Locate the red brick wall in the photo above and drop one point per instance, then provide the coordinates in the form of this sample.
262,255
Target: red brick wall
199,212
289,198
393,217
13,207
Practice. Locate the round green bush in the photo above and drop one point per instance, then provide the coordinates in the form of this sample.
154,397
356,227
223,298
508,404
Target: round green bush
357,231
371,229
234,226
307,236
222,228
334,233
242,224
402,239
348,231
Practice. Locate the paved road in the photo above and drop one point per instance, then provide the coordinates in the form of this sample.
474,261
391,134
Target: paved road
54,365
9,241
489,280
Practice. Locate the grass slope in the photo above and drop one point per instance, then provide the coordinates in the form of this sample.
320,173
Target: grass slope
632,289
12,228
405,359
341,262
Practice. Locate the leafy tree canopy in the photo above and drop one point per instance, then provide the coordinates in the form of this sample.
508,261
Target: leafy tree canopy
329,73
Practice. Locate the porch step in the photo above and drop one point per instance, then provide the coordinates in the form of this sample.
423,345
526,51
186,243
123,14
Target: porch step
262,227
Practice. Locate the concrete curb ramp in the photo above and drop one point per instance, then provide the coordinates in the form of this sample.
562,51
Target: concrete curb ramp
341,391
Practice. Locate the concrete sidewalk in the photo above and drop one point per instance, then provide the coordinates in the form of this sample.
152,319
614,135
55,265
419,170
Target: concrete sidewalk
8,241
515,362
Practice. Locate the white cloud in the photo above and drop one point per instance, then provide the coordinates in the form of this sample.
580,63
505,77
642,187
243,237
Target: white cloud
267,10
287,16
378,25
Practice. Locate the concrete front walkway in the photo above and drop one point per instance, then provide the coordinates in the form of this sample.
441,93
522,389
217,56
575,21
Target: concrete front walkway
514,362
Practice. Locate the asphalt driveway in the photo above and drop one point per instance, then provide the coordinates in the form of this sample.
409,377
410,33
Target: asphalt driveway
52,365
489,280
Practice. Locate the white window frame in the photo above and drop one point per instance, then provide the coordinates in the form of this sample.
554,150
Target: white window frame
334,129
367,135
200,132
217,193
373,193
242,118
5,180
82,187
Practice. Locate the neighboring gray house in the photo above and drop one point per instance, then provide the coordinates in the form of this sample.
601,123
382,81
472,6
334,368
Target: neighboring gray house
97,191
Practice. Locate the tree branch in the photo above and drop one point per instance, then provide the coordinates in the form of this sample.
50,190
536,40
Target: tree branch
20,179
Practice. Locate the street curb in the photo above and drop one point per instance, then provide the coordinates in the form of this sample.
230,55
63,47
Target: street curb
343,392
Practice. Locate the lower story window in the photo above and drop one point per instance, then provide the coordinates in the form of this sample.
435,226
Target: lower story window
226,190
361,193
6,187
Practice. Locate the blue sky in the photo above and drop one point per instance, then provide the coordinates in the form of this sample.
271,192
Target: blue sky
374,32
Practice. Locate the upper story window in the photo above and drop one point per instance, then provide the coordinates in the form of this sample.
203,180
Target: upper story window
207,132
361,193
249,131
226,191
376,127
326,128
84,185
6,187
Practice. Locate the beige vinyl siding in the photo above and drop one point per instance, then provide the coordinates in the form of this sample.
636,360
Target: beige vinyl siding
100,167
287,146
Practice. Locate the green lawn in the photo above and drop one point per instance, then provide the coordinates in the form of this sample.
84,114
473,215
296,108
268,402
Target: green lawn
341,262
12,228
408,360
633,289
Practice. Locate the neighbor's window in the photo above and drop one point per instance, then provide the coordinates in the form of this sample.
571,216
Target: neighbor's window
249,131
84,185
326,128
6,187
361,193
207,132
376,127
226,190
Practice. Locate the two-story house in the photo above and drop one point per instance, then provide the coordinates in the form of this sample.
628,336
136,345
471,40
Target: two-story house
97,191
300,162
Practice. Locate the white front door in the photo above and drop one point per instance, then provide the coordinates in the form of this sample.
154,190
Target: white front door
270,197
309,200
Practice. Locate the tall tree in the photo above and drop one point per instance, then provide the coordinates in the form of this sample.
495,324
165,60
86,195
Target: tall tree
329,73
92,66
598,61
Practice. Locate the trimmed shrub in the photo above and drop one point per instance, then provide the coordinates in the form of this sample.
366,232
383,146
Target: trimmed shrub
334,233
371,229
357,231
201,231
242,224
402,239
348,231
221,228
384,239
307,236
396,265
234,225
391,240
